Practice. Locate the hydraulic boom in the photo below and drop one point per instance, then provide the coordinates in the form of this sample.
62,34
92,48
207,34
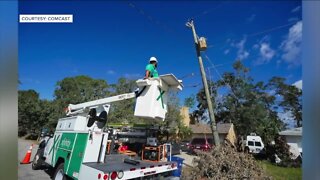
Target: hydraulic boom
98,104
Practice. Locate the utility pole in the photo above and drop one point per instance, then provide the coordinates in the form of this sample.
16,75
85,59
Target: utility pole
205,85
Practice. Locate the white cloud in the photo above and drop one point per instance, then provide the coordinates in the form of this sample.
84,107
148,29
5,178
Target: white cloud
296,9
226,51
266,52
242,53
298,84
292,19
133,76
251,18
111,72
291,46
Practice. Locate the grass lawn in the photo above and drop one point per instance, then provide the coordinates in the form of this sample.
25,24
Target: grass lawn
281,172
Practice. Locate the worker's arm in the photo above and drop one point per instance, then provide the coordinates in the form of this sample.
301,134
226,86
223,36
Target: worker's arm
147,74
149,69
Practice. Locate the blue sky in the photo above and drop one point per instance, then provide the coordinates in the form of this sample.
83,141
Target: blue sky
112,39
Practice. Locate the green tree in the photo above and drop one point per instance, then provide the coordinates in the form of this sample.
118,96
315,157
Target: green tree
184,132
189,101
247,104
291,97
173,121
56,110
202,106
80,89
123,111
31,114
74,90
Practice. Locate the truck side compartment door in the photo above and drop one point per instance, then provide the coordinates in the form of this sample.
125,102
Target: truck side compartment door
77,155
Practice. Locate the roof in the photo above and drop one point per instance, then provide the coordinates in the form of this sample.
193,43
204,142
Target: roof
292,132
223,128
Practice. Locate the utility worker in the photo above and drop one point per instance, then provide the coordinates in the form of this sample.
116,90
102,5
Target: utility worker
151,68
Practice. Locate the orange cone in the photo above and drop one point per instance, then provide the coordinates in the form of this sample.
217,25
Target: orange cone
27,157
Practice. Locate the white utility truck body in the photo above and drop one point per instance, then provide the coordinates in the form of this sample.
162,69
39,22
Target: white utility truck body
78,148
254,144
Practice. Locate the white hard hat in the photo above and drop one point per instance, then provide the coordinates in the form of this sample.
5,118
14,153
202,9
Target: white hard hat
153,59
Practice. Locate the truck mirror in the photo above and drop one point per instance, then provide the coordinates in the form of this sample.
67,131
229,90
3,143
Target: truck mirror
93,112
92,117
102,119
90,122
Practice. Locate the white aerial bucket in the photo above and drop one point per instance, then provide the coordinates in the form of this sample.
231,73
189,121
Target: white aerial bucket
152,102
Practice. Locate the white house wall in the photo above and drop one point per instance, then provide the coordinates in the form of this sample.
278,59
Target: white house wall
295,141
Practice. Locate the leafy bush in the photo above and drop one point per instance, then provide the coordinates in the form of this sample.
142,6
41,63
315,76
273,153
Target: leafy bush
281,148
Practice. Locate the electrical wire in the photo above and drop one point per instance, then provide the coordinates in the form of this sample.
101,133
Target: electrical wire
223,44
216,70
187,75
153,20
271,29
192,86
207,11
211,80
228,85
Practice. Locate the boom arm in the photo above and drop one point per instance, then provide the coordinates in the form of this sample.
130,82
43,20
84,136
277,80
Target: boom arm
78,108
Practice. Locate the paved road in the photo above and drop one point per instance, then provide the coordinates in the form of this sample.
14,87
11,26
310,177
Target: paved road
25,171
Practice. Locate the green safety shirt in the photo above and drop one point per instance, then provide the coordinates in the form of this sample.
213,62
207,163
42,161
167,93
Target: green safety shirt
152,70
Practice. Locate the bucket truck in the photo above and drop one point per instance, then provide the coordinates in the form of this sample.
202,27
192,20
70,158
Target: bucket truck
77,149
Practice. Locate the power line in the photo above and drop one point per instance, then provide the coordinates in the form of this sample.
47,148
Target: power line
258,33
228,85
187,75
210,78
192,86
148,16
216,70
207,11
154,20
271,29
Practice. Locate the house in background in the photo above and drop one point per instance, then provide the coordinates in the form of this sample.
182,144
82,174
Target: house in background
225,131
294,139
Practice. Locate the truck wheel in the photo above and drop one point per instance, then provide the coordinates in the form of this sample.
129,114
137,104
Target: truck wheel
37,161
59,173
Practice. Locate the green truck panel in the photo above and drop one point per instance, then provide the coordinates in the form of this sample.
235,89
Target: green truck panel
77,154
70,147
64,149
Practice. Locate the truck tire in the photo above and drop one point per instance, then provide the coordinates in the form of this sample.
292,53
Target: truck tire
59,173
38,160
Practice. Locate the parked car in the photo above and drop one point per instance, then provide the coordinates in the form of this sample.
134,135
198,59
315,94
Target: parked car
204,144
175,147
184,145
